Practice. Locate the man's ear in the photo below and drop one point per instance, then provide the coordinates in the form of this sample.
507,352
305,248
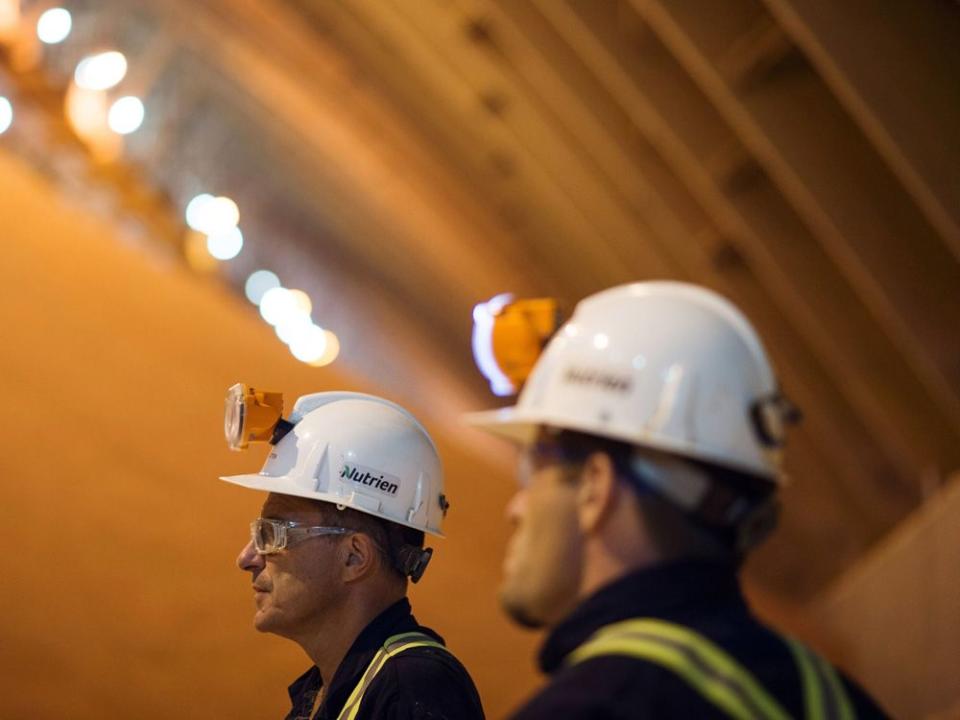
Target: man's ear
597,492
359,556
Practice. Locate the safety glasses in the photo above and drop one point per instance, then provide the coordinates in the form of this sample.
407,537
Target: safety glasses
271,536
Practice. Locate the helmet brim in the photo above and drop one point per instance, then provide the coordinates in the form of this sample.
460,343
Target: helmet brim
508,423
521,428
255,481
281,486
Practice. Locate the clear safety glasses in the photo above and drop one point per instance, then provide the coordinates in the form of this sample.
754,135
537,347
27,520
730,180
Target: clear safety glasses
270,536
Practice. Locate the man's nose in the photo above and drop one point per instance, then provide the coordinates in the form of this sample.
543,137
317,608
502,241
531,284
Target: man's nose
248,559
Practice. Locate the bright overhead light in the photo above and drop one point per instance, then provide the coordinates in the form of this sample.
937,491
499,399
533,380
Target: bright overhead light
126,115
292,328
258,283
102,71
6,114
225,245
212,215
330,353
222,214
303,301
54,26
196,210
277,304
310,345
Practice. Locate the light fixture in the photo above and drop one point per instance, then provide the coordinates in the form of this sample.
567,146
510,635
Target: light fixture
483,320
303,301
212,215
292,327
6,114
330,353
277,304
252,415
310,345
225,245
101,71
54,25
258,283
196,210
126,115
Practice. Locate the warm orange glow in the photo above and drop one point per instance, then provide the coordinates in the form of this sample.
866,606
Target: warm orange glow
9,19
86,111
87,115
24,53
195,251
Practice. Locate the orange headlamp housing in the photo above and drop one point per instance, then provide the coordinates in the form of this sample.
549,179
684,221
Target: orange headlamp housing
509,336
252,416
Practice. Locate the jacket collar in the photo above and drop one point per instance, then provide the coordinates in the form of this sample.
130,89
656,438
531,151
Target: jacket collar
677,591
396,619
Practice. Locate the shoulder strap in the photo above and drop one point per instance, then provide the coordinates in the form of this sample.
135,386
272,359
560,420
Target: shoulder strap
717,676
394,645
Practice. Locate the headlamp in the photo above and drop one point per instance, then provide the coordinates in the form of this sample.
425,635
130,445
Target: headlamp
253,416
508,337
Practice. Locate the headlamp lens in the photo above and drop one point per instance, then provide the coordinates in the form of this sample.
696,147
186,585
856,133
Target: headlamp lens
233,417
508,337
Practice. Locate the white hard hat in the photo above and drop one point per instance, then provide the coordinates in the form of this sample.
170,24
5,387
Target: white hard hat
665,365
357,451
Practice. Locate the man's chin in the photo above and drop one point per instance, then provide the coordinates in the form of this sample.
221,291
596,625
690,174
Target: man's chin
264,622
520,612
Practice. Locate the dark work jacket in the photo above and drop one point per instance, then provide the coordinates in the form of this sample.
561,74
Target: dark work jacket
702,596
423,682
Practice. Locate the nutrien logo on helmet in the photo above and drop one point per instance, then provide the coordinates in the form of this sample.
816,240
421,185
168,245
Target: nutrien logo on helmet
599,378
373,478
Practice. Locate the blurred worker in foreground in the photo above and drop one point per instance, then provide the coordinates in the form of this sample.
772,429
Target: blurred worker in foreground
650,431
354,481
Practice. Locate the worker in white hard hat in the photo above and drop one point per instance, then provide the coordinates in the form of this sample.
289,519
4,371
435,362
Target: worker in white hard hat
650,430
354,482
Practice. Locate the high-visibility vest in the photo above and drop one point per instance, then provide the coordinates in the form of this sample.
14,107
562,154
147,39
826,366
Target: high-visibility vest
713,673
393,646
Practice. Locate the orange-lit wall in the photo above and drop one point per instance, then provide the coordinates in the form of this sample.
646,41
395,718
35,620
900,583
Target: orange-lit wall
119,595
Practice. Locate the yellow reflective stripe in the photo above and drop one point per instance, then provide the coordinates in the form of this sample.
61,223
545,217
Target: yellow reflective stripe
713,690
844,710
352,705
698,661
812,688
393,646
823,693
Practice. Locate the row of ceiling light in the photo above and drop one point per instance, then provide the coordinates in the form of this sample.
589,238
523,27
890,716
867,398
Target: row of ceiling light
87,107
214,220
